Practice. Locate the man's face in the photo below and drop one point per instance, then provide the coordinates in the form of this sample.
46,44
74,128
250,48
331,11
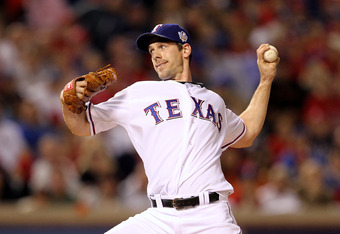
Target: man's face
167,59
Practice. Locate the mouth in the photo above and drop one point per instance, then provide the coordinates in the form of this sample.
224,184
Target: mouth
160,65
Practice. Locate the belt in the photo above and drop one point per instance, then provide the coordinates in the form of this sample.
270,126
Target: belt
181,203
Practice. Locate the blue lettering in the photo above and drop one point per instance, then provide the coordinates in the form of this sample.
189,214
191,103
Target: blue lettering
198,106
219,123
211,114
154,113
172,105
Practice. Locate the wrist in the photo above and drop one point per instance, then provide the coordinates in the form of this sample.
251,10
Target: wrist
266,82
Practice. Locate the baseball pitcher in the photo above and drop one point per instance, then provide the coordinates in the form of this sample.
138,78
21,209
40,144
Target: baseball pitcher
179,128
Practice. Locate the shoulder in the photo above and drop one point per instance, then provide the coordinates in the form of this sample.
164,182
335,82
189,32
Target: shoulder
151,85
138,89
213,95
139,85
144,83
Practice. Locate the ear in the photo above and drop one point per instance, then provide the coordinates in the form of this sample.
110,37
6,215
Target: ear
186,50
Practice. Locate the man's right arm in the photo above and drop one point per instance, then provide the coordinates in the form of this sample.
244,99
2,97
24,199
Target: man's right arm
255,114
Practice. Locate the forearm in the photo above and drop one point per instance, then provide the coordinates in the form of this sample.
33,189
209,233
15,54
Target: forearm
255,114
77,123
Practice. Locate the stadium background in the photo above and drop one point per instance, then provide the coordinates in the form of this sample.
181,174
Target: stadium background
54,182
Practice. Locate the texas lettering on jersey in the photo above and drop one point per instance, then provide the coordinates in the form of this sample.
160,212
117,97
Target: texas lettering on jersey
174,111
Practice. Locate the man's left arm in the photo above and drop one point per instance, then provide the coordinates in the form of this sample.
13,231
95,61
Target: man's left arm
255,114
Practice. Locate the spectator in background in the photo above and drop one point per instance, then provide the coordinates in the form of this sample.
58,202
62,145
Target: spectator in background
332,174
121,151
55,13
31,124
277,196
103,21
97,173
54,177
311,188
13,149
133,189
5,187
286,143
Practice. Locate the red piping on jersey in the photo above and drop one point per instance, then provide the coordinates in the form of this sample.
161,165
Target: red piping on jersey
244,128
91,121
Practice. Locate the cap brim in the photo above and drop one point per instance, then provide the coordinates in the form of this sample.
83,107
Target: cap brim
143,41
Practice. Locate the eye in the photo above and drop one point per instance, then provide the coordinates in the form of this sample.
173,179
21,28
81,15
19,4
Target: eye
163,47
151,51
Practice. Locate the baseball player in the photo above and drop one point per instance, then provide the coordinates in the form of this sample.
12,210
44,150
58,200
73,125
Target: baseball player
179,128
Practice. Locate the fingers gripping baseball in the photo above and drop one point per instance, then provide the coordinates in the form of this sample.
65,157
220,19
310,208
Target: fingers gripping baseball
83,88
267,64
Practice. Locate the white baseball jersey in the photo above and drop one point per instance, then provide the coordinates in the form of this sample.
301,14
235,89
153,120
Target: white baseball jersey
178,129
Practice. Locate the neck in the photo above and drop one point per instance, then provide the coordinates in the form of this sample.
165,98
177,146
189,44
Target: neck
185,75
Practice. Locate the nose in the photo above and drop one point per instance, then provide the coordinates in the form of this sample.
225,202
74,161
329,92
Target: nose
156,54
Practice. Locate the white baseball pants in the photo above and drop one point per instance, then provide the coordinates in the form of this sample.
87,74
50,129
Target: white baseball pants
214,218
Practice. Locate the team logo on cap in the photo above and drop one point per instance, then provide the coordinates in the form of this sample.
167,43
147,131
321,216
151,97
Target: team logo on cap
156,28
183,36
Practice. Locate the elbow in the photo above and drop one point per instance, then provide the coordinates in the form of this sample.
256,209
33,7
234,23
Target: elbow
249,143
251,138
244,142
247,140
80,134
79,131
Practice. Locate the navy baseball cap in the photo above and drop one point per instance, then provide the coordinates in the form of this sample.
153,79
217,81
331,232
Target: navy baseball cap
171,32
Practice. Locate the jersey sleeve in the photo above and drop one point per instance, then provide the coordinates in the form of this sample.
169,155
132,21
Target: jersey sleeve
107,115
236,128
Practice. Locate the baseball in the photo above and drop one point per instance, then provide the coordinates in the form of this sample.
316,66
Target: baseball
271,54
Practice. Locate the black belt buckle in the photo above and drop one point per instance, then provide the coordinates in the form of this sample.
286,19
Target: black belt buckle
177,204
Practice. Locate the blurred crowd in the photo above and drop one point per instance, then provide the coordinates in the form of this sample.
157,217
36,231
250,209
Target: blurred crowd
293,165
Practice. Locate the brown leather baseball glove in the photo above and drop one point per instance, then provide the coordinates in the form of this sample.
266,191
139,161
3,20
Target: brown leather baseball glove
96,82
